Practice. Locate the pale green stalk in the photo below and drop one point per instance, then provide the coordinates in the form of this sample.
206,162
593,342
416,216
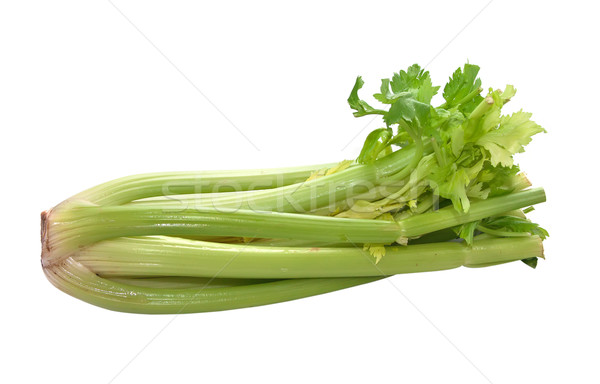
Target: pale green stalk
76,280
167,256
79,226
130,188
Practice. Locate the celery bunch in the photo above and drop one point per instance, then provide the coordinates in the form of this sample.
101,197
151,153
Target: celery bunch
435,188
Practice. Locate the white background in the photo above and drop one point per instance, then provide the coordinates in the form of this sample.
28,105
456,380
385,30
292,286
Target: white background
93,90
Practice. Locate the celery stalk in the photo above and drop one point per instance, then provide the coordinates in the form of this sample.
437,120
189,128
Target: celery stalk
166,256
76,280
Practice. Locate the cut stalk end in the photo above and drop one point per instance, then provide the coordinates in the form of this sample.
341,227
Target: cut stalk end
44,237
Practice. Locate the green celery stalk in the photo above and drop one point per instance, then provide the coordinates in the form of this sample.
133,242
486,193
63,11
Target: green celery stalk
75,227
130,188
166,256
76,280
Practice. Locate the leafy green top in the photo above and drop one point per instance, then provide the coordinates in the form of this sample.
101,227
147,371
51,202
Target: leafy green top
471,142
